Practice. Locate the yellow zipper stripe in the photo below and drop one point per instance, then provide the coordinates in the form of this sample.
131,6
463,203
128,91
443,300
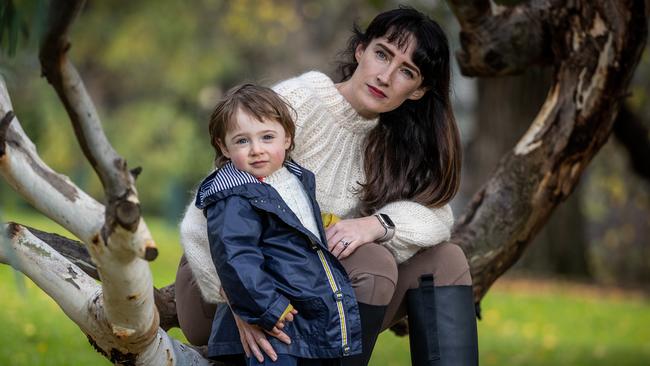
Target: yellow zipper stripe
344,333
339,304
330,277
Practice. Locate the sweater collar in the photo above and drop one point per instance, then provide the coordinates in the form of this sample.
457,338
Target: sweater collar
347,117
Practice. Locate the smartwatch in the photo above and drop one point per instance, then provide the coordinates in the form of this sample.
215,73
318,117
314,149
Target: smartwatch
388,225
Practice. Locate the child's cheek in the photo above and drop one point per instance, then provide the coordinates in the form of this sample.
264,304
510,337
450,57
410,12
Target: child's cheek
279,155
239,162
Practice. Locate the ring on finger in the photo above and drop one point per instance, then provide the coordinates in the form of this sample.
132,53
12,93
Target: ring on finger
345,243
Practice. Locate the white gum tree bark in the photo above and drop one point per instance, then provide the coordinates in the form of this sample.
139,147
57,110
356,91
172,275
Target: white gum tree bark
119,317
82,300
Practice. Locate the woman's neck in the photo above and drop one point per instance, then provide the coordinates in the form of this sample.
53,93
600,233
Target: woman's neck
350,94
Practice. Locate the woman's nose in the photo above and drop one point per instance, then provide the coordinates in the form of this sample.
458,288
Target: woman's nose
384,75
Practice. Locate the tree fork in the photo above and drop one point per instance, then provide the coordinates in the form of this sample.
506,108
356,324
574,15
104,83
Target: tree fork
77,253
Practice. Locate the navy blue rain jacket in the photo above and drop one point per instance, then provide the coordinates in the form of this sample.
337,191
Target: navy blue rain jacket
267,259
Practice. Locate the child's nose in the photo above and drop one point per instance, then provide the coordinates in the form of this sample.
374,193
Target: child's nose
256,148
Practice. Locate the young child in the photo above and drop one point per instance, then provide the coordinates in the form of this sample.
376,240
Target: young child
267,239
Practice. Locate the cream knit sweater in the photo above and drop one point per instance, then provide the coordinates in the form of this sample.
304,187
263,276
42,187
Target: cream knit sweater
294,195
329,142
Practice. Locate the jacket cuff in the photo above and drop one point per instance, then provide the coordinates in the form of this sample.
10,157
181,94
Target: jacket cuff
273,313
286,311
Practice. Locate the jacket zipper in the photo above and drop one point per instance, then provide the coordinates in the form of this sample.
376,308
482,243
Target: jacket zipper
339,299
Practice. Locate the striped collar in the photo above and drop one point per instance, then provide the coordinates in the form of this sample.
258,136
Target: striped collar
228,177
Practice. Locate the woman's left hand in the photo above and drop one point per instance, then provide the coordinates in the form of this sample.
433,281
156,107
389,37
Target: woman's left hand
344,237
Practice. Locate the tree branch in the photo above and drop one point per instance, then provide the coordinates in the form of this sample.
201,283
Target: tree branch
505,43
595,58
124,239
76,253
470,13
51,193
80,297
123,206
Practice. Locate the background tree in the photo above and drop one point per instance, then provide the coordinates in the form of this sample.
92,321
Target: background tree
593,47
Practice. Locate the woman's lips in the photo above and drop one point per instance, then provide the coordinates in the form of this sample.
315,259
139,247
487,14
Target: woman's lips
376,92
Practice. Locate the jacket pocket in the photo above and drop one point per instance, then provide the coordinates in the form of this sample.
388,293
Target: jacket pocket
311,321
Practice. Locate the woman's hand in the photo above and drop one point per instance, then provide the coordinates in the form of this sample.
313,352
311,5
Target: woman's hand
344,237
253,338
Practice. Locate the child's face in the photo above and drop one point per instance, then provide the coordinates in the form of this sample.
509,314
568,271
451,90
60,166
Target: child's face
254,146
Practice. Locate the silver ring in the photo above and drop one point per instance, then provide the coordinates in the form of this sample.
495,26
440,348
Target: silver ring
345,243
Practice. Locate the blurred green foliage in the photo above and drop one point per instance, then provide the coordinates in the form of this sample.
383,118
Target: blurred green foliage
154,70
21,23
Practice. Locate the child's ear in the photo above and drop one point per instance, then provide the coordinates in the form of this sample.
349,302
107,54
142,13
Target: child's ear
287,142
223,149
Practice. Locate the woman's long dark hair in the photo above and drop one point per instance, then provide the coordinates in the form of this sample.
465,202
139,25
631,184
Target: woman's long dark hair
414,152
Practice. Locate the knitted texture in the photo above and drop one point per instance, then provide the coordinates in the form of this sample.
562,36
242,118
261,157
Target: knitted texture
294,195
329,141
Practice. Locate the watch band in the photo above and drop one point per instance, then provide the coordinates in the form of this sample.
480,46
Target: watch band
388,225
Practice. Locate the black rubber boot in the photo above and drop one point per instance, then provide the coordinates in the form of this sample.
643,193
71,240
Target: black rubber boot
372,317
442,325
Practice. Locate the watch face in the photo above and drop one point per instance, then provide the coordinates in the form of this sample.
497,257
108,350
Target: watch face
387,220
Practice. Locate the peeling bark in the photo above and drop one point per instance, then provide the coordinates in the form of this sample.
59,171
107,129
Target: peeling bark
80,297
596,46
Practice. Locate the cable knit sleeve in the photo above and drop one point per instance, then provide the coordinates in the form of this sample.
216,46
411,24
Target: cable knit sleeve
416,227
194,239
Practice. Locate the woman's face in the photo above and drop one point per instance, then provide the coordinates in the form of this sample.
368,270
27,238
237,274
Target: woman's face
385,77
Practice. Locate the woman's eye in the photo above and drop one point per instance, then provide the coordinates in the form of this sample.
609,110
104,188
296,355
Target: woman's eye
408,73
380,54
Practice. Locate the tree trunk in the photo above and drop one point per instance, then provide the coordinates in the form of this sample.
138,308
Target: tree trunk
595,46
505,105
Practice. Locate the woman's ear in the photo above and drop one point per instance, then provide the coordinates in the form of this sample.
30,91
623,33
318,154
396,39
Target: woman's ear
358,52
418,93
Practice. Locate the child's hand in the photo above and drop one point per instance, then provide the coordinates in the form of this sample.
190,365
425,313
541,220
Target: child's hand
287,316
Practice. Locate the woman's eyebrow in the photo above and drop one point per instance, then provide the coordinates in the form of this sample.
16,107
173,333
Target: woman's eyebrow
392,54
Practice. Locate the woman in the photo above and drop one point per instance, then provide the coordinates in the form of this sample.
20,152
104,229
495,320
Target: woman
385,149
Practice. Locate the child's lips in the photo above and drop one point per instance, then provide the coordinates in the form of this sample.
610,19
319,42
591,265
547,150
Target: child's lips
258,164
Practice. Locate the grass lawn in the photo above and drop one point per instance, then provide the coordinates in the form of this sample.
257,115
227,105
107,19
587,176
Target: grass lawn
524,322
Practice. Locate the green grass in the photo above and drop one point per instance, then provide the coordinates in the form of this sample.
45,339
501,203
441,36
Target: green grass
532,325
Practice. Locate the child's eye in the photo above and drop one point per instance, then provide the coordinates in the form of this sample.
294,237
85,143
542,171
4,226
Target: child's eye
241,141
268,137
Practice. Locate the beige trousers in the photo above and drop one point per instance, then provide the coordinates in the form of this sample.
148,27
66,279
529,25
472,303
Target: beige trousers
375,277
